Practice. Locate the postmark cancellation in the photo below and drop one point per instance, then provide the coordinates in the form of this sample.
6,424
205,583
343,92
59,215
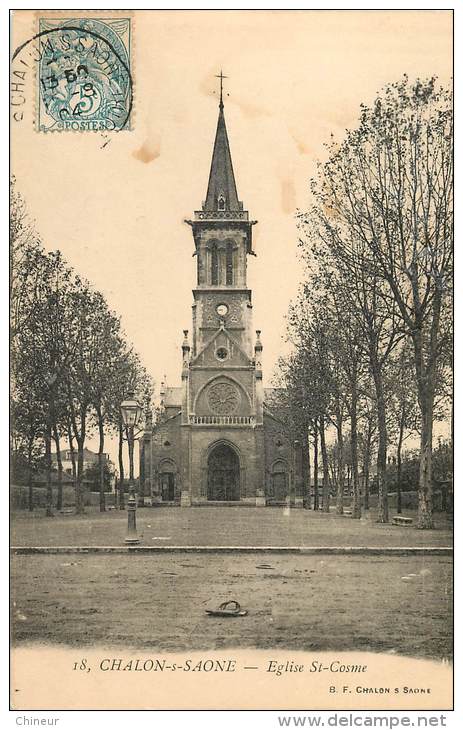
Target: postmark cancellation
84,80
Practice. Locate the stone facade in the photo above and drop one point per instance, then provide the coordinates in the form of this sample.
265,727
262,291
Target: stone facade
217,439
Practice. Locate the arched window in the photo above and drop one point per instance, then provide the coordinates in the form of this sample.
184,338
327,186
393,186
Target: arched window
221,202
214,264
229,265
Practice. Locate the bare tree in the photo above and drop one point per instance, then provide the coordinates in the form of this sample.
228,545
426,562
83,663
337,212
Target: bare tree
388,190
71,363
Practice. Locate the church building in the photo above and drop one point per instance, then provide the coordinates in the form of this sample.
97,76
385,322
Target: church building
216,439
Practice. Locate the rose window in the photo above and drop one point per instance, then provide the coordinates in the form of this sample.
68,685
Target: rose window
223,398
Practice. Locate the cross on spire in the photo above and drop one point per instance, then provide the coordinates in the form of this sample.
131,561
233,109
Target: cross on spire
221,77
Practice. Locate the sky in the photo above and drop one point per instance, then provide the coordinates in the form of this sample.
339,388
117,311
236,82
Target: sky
295,77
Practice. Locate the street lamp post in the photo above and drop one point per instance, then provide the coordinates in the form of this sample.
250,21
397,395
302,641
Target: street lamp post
131,414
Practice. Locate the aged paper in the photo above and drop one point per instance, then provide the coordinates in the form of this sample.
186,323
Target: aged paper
113,121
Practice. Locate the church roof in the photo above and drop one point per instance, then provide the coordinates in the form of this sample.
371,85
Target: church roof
221,176
272,402
173,397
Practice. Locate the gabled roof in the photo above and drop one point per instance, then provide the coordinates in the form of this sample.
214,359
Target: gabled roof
271,405
271,414
216,334
221,176
165,419
173,397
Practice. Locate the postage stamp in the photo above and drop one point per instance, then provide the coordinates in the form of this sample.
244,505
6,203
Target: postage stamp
84,80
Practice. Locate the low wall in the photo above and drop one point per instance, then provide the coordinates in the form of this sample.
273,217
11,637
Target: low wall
19,497
410,500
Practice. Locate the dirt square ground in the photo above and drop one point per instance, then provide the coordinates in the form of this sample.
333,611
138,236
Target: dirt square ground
235,526
398,605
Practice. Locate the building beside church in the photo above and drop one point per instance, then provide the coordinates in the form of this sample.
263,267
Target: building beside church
217,439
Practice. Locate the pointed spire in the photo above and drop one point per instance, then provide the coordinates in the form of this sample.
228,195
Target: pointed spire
221,190
185,344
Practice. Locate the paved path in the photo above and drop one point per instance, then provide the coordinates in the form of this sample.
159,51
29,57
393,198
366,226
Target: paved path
224,526
225,549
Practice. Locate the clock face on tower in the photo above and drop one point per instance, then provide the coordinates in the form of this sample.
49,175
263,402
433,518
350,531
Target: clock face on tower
222,310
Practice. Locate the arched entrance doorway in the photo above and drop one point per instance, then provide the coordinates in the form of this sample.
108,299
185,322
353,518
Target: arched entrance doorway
167,481
223,474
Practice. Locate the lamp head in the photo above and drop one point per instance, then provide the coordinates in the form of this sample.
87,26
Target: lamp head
131,411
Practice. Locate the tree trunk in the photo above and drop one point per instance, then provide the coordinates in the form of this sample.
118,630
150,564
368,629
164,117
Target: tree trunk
306,471
399,461
141,474
356,505
383,511
315,467
425,507
332,470
73,454
340,466
49,487
366,481
326,481
79,477
121,466
366,468
100,460
80,438
59,461
30,489
426,375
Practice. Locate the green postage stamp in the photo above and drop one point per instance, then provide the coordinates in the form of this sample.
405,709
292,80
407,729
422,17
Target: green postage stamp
84,80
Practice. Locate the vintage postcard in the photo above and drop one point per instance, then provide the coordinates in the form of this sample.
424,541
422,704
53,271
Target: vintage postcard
231,360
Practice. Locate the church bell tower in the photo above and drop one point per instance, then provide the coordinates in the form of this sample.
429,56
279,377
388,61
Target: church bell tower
222,406
223,240
216,441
